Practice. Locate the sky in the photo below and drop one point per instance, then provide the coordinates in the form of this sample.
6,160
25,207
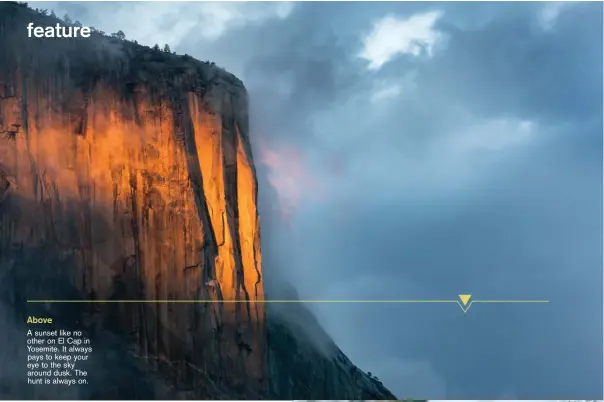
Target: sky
421,151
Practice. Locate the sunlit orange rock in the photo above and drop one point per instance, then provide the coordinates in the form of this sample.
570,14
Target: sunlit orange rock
130,171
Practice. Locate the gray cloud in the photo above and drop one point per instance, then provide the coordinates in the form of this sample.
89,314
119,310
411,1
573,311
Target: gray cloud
481,172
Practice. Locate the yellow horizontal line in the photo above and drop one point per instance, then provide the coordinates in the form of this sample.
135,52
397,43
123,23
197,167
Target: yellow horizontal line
510,301
284,301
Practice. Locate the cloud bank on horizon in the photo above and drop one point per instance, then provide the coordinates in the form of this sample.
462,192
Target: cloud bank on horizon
422,150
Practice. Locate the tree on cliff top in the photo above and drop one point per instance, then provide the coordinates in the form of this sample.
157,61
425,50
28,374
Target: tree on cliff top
119,35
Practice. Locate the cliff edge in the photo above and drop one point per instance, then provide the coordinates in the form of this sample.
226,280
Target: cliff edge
126,173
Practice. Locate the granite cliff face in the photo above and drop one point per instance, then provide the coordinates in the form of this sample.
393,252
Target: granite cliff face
127,173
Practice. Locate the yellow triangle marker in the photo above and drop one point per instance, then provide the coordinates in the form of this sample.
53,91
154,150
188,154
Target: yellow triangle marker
465,299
